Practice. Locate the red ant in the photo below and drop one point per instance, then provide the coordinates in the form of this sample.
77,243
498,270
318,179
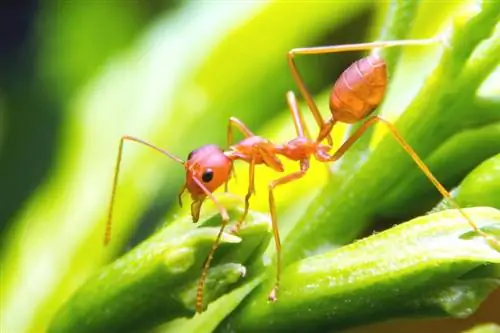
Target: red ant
354,96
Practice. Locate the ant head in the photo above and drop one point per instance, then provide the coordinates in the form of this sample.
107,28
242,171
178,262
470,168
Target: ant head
208,166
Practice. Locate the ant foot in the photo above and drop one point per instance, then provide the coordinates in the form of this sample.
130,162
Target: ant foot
236,228
243,271
199,308
273,295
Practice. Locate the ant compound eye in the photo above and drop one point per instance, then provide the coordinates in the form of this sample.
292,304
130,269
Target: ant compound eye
207,176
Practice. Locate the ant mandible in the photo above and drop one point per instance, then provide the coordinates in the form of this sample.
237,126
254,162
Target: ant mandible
354,96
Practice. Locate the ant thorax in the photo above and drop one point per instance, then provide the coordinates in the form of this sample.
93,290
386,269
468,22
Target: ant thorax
297,149
256,149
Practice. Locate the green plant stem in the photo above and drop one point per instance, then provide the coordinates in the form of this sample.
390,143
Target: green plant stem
484,60
432,265
400,18
157,281
487,109
480,187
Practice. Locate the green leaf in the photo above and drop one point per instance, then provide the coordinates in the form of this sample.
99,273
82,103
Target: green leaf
426,266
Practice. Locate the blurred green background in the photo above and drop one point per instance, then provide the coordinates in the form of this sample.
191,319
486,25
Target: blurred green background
76,75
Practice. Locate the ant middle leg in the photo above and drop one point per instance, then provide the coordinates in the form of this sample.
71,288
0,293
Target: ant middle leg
298,120
251,190
304,166
235,122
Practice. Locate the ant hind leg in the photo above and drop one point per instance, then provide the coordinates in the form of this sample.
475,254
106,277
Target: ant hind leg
421,165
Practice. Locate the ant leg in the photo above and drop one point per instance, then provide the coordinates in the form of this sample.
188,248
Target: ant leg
304,166
305,93
107,233
208,261
326,129
298,120
361,46
395,133
235,122
251,190
181,191
335,49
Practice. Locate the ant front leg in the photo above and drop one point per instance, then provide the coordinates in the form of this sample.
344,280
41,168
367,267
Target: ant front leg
325,128
107,233
210,257
235,122
422,166
304,166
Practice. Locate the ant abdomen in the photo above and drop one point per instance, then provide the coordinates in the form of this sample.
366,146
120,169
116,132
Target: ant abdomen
359,89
